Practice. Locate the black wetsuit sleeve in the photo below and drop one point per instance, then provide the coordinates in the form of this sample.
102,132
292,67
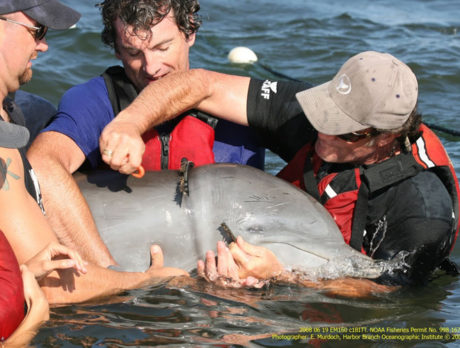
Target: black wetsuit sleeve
275,114
417,220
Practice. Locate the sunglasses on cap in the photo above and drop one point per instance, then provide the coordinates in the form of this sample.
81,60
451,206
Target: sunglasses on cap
353,137
39,31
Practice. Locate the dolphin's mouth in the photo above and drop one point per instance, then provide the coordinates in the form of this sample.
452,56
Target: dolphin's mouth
314,263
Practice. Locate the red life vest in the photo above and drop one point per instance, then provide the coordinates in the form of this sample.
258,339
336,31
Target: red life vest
192,136
11,290
344,196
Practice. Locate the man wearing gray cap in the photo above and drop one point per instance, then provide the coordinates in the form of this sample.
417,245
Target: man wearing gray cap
355,143
23,26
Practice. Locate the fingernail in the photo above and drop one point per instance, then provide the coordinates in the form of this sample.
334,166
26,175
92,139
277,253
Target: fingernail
155,249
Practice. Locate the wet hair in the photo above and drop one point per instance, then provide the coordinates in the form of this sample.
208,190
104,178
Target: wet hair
143,14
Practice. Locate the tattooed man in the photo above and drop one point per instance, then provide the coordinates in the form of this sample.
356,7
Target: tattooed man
23,26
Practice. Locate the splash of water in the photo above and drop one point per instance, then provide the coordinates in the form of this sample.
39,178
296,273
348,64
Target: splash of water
356,267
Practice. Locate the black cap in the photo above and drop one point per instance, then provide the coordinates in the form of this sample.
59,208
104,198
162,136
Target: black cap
13,136
50,13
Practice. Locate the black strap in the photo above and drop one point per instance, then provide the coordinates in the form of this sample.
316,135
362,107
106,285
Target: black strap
121,91
391,171
204,117
309,179
359,217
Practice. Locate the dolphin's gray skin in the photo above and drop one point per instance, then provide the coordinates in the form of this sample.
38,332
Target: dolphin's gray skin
131,214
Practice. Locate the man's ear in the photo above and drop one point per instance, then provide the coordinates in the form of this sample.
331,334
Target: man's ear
191,39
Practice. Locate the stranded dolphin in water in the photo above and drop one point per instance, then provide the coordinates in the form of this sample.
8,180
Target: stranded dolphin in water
183,212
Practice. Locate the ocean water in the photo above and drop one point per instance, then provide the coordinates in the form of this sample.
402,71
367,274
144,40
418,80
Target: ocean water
307,40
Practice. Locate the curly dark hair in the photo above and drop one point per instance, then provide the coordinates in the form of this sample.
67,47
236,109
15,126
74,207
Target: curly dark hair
143,14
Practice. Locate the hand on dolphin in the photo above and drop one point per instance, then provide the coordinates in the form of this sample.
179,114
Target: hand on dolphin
122,146
224,271
255,261
157,270
261,263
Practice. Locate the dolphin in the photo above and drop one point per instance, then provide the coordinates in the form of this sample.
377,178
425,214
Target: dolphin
186,212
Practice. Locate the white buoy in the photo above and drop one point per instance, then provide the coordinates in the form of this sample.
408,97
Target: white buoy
242,55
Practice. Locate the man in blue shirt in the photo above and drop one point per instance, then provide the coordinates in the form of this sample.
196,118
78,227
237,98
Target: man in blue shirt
152,39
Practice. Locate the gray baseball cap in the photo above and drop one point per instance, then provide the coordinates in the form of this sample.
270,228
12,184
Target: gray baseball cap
371,90
50,13
13,136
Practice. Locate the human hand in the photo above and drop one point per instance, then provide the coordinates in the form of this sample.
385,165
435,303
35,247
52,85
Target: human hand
37,312
50,259
224,272
157,270
34,296
255,261
122,146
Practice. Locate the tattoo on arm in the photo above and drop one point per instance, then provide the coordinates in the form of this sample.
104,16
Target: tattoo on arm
4,172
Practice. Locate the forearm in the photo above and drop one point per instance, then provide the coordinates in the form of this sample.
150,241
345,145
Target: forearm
165,99
67,211
69,287
66,287
221,95
218,94
346,287
73,222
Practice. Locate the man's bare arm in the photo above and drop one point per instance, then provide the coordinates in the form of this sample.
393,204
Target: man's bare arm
65,287
222,95
54,157
28,232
